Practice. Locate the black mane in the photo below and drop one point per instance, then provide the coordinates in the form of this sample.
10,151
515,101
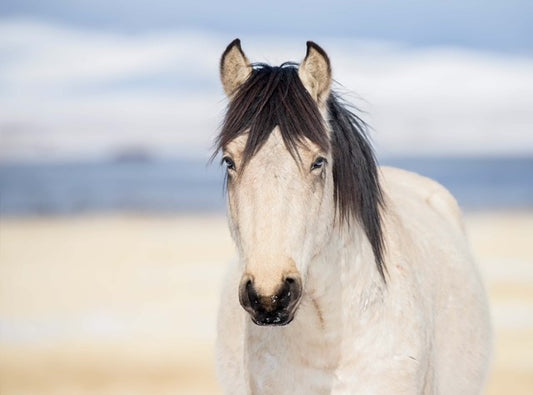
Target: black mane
275,96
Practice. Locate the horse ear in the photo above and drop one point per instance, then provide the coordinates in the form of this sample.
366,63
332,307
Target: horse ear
315,73
234,67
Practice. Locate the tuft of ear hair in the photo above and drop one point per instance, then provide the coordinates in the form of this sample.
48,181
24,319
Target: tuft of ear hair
234,68
315,73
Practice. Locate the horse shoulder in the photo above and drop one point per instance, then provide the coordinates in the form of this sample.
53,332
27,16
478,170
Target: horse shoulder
429,192
426,233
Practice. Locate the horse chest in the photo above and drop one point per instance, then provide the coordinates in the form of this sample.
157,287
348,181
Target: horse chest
290,360
272,374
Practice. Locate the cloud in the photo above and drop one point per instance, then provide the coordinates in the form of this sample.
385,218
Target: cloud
71,93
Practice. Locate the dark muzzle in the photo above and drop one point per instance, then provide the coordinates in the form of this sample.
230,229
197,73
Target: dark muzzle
277,309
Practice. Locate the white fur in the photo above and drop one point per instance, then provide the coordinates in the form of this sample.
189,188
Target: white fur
425,332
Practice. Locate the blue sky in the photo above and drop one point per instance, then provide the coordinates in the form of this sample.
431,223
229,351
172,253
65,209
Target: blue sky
497,25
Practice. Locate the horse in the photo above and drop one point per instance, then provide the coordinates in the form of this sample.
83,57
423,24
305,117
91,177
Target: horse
350,278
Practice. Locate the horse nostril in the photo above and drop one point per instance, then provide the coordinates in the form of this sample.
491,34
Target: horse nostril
290,292
290,280
252,294
248,295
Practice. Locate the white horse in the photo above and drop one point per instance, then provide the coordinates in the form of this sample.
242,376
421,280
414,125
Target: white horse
352,279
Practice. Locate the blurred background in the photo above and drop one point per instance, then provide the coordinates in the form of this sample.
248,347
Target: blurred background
113,240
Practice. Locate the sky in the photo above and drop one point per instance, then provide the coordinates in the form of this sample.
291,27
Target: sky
82,80
501,25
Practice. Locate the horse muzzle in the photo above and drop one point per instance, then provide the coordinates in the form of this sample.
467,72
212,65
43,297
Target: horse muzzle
276,309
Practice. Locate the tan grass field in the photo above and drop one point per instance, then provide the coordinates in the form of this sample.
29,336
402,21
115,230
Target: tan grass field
127,304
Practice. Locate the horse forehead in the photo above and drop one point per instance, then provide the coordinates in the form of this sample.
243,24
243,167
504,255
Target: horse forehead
274,149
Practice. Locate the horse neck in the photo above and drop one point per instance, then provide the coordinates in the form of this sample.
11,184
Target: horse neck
345,274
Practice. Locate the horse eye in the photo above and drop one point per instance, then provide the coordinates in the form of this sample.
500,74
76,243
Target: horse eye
228,162
318,163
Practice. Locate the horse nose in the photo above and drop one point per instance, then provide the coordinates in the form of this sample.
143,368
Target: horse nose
275,309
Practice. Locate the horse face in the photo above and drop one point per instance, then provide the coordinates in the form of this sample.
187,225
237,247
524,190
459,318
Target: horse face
281,212
281,201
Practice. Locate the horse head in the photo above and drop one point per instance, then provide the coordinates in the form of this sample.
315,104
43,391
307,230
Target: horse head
287,180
